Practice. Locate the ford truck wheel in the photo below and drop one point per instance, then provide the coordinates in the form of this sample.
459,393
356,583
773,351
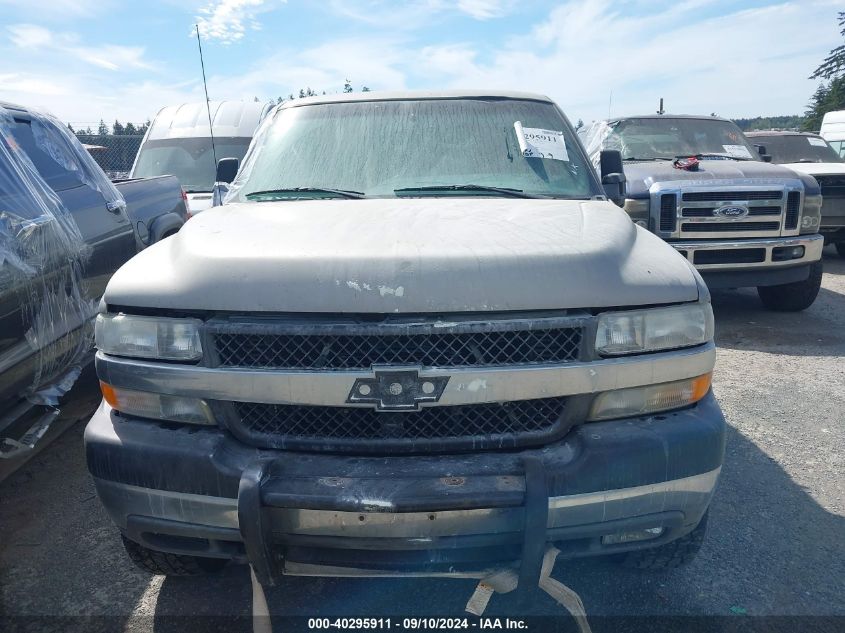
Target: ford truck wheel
793,297
164,564
675,554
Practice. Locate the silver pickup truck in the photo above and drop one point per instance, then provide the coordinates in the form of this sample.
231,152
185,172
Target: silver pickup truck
699,184
417,339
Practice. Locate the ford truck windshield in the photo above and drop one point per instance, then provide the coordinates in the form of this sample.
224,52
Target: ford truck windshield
434,147
651,138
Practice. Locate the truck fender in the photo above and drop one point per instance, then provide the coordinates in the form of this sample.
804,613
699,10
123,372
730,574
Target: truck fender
165,225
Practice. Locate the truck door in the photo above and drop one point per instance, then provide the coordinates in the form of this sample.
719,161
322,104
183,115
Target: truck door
104,225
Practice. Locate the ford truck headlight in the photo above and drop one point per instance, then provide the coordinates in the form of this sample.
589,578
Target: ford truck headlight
637,401
654,329
148,337
811,214
638,211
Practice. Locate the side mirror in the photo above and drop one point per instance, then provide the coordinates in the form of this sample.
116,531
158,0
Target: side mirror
613,175
227,169
761,149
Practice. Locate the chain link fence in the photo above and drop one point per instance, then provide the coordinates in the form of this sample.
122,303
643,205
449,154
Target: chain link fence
115,153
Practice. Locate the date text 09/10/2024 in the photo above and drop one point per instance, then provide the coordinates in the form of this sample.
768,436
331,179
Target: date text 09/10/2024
416,623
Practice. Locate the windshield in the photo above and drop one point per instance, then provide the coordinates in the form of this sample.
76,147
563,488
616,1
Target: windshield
437,147
189,159
797,148
651,138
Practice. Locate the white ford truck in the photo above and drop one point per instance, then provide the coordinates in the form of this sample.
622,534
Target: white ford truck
417,339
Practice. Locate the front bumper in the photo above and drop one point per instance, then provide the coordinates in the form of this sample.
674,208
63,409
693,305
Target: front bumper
198,491
751,262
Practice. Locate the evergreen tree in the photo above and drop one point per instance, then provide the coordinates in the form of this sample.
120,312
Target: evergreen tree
834,63
347,86
102,129
117,128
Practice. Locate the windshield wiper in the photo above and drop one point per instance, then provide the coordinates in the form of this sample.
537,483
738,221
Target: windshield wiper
713,155
343,193
639,158
505,191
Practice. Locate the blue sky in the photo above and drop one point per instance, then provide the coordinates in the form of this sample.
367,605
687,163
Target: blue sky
91,59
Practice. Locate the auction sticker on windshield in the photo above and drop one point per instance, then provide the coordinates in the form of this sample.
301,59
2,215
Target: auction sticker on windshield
536,142
740,151
818,142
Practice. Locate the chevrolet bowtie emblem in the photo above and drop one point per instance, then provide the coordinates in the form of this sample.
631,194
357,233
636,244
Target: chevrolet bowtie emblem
397,390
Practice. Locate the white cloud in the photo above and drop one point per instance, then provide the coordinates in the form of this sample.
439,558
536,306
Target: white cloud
484,9
228,20
587,48
38,39
60,9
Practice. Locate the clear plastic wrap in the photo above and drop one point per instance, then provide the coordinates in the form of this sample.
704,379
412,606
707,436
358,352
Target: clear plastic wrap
255,147
42,257
598,136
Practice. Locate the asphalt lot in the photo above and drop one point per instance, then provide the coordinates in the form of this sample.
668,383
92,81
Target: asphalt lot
776,544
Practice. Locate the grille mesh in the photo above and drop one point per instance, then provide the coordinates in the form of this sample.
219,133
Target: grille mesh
668,212
355,351
793,210
716,227
272,424
707,212
731,196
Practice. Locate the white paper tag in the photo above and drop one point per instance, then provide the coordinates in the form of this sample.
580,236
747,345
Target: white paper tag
818,142
535,142
740,151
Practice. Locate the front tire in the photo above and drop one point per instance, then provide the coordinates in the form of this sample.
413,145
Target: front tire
669,556
793,297
164,564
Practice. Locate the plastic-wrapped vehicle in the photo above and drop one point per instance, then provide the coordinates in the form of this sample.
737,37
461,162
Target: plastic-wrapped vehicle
428,345
64,229
811,154
698,183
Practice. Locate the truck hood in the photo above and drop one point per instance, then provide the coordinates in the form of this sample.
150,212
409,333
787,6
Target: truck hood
406,256
640,176
817,169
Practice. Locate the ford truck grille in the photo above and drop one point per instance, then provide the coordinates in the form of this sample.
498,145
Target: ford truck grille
367,347
477,426
731,212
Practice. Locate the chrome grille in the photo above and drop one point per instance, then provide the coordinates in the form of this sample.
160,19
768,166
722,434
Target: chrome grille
698,215
492,425
361,346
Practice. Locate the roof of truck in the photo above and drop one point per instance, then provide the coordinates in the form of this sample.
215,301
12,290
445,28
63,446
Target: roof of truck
399,95
668,116
190,120
779,133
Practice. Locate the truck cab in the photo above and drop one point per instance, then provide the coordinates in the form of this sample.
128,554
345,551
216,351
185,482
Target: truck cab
699,184
809,153
417,339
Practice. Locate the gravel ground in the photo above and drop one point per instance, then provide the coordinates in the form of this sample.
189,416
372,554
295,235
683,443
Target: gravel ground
775,545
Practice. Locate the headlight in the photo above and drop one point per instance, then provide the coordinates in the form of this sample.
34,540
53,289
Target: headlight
638,210
148,337
624,403
654,329
158,406
811,214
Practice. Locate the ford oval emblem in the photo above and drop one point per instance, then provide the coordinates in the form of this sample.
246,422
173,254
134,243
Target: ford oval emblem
731,212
